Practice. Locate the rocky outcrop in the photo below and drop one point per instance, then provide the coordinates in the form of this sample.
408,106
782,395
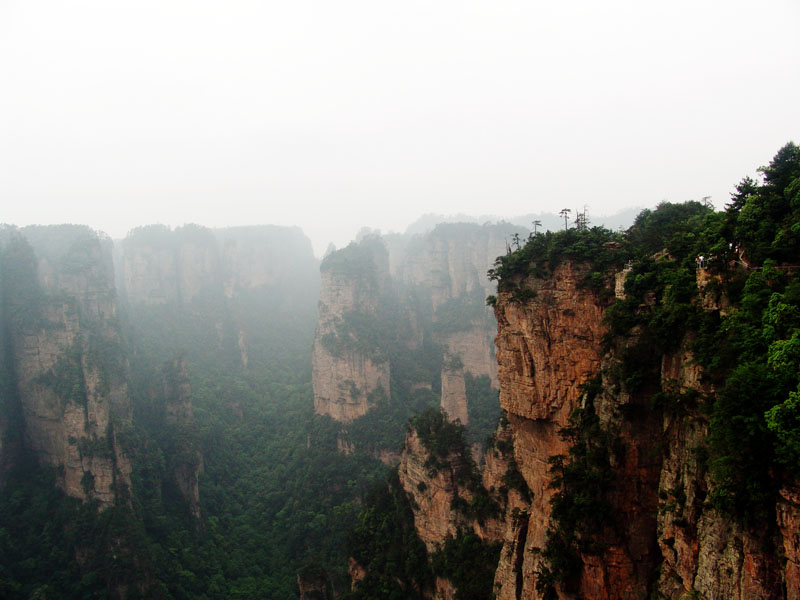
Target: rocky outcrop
165,267
350,370
67,359
433,485
454,394
788,516
546,349
466,352
438,484
703,550
439,285
446,272
161,266
452,260
665,537
149,267
450,498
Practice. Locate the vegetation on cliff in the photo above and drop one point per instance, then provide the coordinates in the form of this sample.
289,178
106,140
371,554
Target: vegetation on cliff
469,564
721,286
543,252
385,544
581,510
274,492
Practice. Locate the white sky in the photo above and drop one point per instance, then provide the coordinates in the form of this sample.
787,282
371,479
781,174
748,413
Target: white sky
333,115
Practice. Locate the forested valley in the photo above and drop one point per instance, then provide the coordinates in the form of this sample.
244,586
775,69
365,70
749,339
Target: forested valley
473,412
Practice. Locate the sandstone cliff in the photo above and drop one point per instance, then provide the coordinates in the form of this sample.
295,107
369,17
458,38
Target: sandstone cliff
350,368
434,483
445,271
438,284
67,358
452,501
662,537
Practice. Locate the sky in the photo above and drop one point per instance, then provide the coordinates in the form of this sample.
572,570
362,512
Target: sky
336,115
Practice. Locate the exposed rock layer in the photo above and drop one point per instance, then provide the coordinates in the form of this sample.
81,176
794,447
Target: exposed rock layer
347,375
547,346
69,367
438,284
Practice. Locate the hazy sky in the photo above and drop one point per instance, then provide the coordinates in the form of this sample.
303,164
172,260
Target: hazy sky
331,115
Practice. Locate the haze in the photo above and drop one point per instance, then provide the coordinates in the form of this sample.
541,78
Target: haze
337,115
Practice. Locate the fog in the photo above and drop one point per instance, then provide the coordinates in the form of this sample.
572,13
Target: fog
338,115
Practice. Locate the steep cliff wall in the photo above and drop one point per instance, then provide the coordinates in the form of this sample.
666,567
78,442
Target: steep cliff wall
350,369
461,514
67,358
452,260
165,267
704,550
224,292
547,348
433,483
439,286
661,534
445,271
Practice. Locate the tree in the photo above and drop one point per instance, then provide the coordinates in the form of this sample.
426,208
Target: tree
565,213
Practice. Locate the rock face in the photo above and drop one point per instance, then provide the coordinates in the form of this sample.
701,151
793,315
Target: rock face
452,260
445,271
350,372
163,266
217,281
546,349
433,490
704,551
438,284
454,395
67,358
443,490
666,539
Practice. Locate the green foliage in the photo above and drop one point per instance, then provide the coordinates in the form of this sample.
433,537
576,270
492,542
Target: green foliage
361,333
358,260
514,480
385,543
66,378
543,252
581,510
751,352
440,436
469,563
383,427
783,420
763,218
754,352
675,228
41,531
